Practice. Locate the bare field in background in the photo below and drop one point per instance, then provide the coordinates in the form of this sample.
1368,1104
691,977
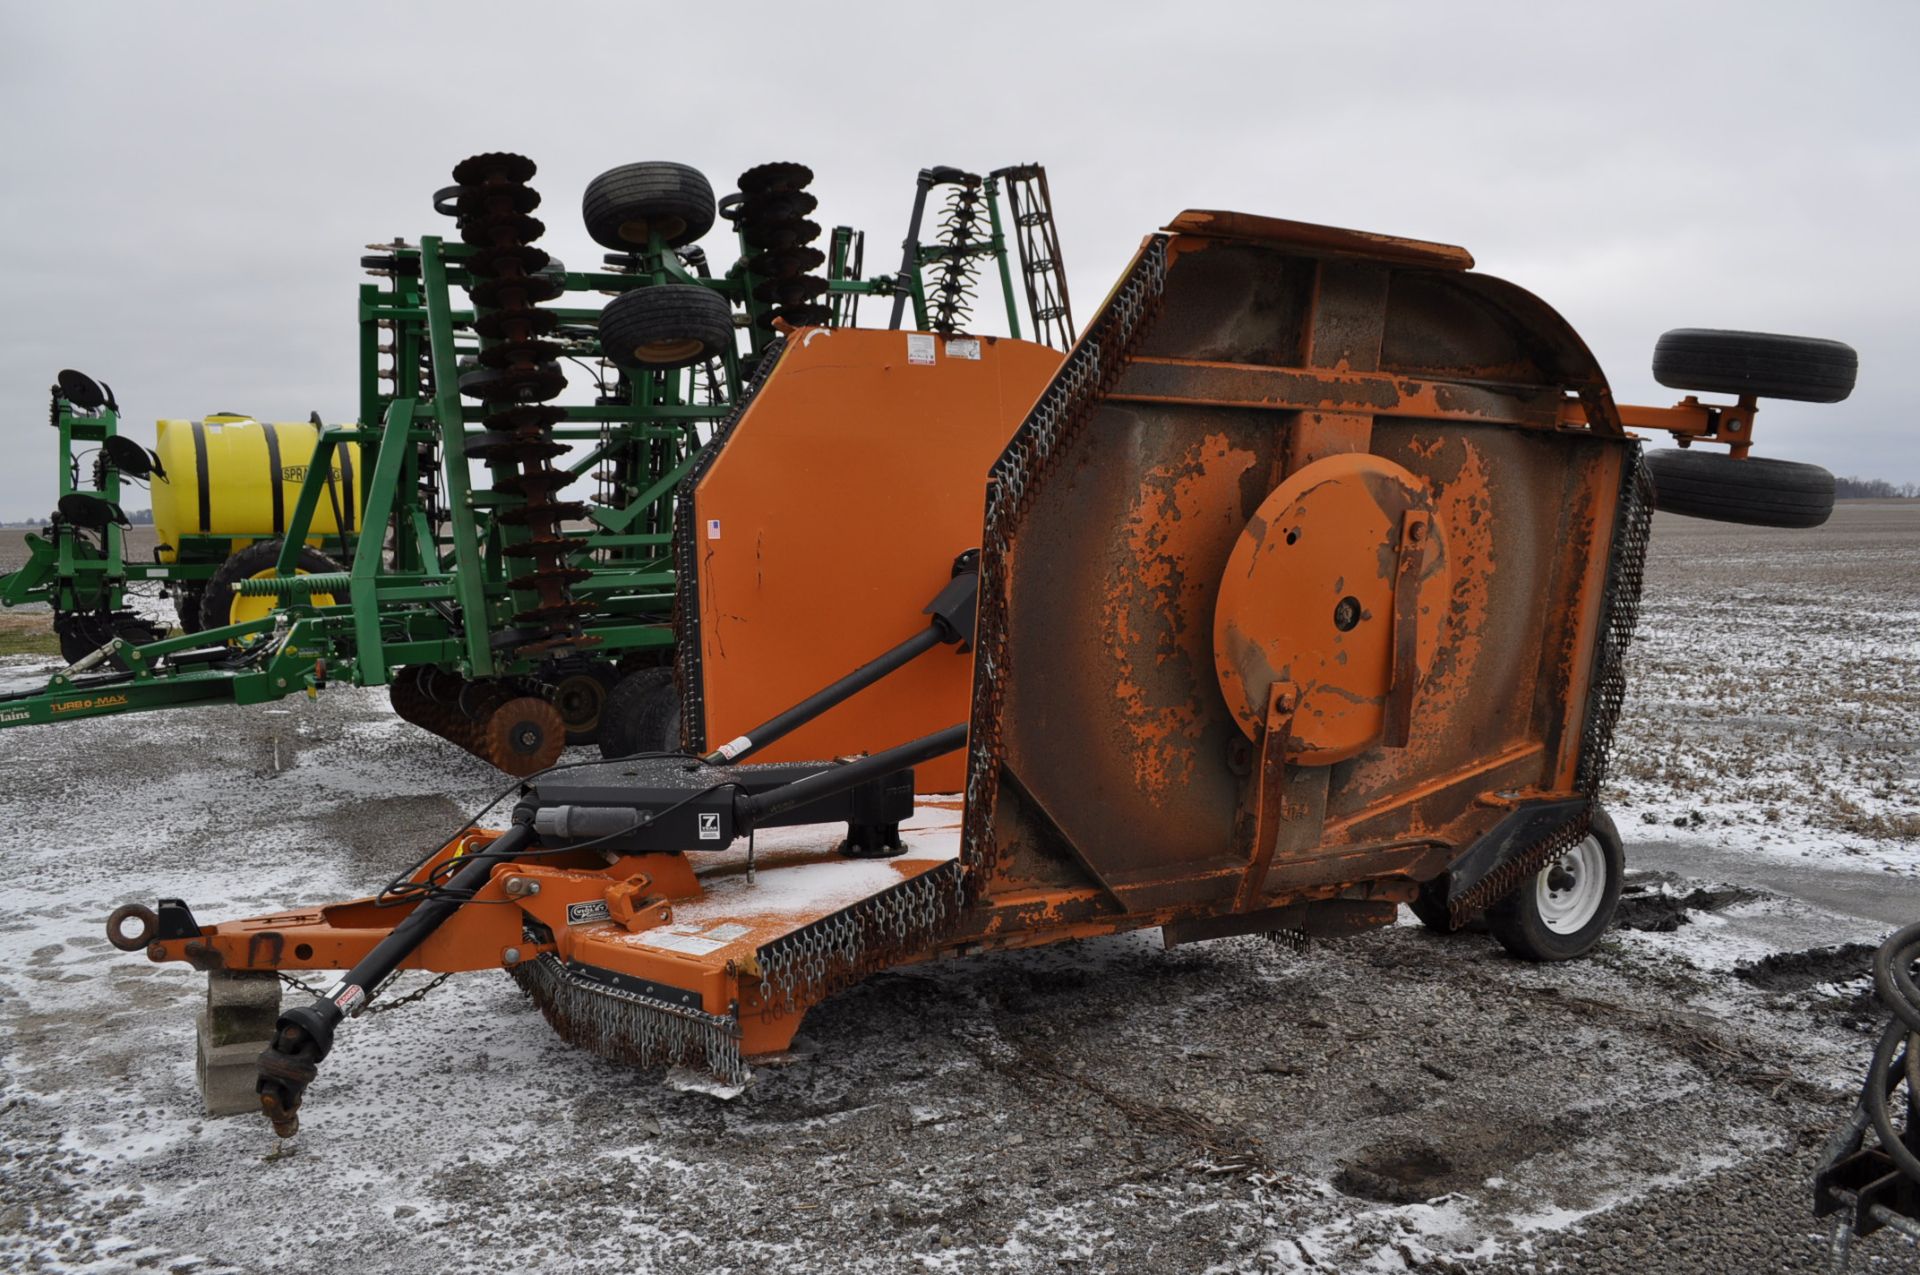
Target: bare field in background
1774,686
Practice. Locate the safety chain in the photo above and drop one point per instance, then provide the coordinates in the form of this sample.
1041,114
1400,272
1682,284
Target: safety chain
630,1027
374,1005
1062,411
1509,876
686,558
1619,614
811,963
1295,939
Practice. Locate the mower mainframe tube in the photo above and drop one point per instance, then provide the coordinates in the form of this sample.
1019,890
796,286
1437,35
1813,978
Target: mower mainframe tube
303,1037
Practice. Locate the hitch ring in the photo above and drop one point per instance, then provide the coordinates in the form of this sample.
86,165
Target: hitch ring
149,926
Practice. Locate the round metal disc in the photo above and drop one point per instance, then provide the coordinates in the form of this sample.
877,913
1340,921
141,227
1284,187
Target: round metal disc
781,175
515,290
80,389
1308,600
523,735
497,166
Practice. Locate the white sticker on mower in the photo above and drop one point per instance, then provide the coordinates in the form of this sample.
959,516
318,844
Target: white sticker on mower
734,747
963,347
728,933
710,827
713,528
587,913
348,997
691,944
920,350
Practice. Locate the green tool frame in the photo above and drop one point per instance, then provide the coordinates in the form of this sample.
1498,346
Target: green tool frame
426,581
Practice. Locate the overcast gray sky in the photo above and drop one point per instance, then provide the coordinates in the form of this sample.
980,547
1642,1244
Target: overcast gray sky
188,187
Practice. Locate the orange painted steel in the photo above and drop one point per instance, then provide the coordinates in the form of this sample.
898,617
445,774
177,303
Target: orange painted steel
1301,579
831,513
1339,568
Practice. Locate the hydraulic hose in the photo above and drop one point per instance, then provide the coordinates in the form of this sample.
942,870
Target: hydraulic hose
1854,1177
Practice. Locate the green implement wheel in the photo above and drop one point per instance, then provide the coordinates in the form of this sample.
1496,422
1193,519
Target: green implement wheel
220,606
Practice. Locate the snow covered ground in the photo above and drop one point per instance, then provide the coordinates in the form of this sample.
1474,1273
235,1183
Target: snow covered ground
1393,1102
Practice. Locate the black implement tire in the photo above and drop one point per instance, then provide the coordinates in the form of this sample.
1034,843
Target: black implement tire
81,633
1757,490
216,601
624,205
1561,911
580,695
642,715
665,325
1763,364
186,605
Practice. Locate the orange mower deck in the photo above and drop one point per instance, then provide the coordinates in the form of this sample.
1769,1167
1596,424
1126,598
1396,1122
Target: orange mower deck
1304,586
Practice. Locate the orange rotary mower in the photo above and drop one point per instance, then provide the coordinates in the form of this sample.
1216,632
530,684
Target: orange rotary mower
1300,592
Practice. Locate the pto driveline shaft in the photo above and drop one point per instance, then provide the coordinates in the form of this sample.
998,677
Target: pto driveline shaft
303,1036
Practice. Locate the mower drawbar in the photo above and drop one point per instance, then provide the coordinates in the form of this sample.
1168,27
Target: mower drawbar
303,1036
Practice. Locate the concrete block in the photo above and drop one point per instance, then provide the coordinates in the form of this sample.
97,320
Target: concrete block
241,1008
227,1070
249,990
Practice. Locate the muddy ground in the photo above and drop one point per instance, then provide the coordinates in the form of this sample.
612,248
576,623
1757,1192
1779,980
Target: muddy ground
1392,1102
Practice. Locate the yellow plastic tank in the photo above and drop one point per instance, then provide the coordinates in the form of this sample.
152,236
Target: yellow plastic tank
235,476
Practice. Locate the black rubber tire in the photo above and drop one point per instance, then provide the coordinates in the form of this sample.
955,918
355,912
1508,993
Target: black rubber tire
581,707
623,205
642,715
665,325
81,633
216,602
1756,490
186,605
1805,368
1517,923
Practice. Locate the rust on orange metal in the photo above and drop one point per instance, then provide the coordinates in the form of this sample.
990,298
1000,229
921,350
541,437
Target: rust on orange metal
1292,588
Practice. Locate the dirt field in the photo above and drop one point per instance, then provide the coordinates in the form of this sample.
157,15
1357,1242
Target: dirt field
1388,1103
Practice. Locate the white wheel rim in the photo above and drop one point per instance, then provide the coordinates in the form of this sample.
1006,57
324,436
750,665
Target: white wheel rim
1568,891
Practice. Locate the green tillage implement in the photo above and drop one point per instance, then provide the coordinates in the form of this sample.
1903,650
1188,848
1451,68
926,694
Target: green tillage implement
494,624
79,564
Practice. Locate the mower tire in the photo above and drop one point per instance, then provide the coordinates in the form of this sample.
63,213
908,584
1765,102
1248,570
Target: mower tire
1756,490
666,325
1804,368
641,715
1561,911
625,206
257,559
